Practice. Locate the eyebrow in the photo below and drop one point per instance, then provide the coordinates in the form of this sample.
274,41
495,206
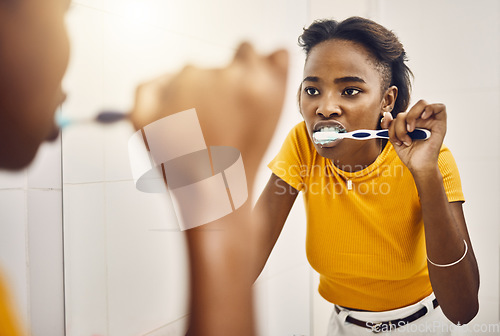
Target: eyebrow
310,79
337,80
349,79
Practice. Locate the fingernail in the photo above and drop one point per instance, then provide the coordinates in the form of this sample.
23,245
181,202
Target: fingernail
397,143
408,127
406,144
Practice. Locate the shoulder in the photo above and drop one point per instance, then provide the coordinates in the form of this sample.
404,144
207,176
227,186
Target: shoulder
445,157
298,140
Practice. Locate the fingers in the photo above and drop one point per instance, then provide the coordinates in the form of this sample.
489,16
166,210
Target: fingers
279,60
399,130
386,120
420,115
415,113
245,53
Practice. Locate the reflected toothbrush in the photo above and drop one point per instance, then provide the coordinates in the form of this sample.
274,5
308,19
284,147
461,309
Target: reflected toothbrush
323,137
104,117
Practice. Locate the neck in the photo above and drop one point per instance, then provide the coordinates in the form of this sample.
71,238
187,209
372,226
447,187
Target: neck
351,159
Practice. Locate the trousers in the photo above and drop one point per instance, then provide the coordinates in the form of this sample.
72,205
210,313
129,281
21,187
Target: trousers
432,323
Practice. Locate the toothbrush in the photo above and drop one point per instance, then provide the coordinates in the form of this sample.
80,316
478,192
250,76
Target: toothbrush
104,117
328,136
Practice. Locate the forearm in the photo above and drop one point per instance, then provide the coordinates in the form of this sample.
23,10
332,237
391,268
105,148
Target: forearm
456,287
221,286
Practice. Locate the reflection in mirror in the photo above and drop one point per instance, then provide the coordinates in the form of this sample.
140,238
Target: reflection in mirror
125,258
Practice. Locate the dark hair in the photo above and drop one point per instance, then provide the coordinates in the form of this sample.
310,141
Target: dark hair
388,52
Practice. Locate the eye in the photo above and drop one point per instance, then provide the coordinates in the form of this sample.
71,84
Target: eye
350,92
311,91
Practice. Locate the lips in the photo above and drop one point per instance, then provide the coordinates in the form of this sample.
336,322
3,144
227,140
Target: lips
54,133
320,125
330,126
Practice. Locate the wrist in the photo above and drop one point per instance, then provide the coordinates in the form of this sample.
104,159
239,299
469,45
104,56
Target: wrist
427,173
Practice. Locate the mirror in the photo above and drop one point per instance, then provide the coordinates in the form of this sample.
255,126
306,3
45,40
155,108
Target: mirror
125,258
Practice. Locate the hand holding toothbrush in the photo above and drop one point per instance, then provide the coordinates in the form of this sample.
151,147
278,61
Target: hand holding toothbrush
418,156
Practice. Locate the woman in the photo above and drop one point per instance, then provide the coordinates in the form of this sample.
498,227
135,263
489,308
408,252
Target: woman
375,208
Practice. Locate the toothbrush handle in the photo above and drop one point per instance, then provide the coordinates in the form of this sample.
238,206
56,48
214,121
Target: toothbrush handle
108,117
417,134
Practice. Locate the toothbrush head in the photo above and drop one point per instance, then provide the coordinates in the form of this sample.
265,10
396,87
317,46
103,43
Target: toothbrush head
61,121
328,134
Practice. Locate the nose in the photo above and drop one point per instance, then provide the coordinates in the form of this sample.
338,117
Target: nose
328,108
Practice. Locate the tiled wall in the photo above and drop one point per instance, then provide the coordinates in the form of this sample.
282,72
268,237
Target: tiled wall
454,51
31,248
124,261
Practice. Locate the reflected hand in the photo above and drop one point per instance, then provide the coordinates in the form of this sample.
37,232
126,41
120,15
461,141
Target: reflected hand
238,105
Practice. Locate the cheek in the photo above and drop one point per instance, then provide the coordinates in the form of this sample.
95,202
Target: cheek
306,107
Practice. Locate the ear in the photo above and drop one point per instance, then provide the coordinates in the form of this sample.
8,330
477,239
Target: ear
389,99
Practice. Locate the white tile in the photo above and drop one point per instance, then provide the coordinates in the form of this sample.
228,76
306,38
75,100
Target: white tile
147,270
13,258
45,171
176,328
83,154
289,302
462,108
83,145
83,80
338,10
13,179
117,163
445,53
85,260
46,262
482,194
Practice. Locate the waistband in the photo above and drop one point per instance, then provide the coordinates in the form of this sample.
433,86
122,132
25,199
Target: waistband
391,319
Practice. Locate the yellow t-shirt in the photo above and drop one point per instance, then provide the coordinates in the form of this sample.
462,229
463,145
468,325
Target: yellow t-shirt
365,233
8,323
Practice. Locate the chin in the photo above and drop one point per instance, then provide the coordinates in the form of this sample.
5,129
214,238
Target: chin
327,152
18,157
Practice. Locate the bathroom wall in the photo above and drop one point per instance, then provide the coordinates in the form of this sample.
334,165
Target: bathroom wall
31,246
124,260
454,52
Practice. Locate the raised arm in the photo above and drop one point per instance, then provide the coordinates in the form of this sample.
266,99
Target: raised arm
270,214
237,106
452,265
455,286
